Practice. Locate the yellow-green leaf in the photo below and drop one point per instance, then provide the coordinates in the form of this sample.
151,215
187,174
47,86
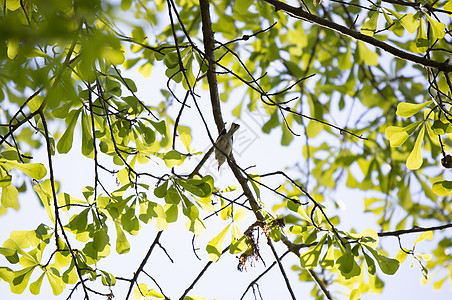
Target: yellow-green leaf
438,28
185,136
35,103
398,135
442,188
238,242
65,142
368,237
355,294
421,39
34,170
414,160
56,283
196,226
13,48
20,281
408,21
12,4
387,18
388,265
35,287
10,197
448,7
427,235
173,158
371,25
366,55
214,247
310,259
114,56
240,214
406,110
122,244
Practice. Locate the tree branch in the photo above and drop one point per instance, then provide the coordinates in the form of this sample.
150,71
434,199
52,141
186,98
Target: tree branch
299,12
209,46
413,230
143,263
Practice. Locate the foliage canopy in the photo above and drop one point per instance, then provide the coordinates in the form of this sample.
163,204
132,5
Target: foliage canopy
365,85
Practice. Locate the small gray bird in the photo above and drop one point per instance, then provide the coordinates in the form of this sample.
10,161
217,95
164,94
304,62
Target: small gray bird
223,144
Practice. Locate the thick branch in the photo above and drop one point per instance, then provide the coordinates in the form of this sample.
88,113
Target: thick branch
299,12
209,46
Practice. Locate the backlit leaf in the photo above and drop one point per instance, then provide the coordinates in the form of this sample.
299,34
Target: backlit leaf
371,25
406,110
414,160
215,246
442,188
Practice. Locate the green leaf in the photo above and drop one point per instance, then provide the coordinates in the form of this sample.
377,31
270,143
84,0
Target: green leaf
406,110
87,138
160,126
196,226
368,237
328,259
189,209
370,264
65,201
344,61
398,135
442,188
172,196
160,191
173,158
35,287
34,170
366,55
438,28
12,4
310,259
421,38
345,263
238,241
408,21
65,142
20,281
255,180
142,291
215,246
355,294
10,197
122,244
35,103
13,48
56,283
387,18
441,127
185,136
427,235
100,240
171,212
448,7
414,160
371,25
387,265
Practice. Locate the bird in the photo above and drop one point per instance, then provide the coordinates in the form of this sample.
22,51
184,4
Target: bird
223,144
